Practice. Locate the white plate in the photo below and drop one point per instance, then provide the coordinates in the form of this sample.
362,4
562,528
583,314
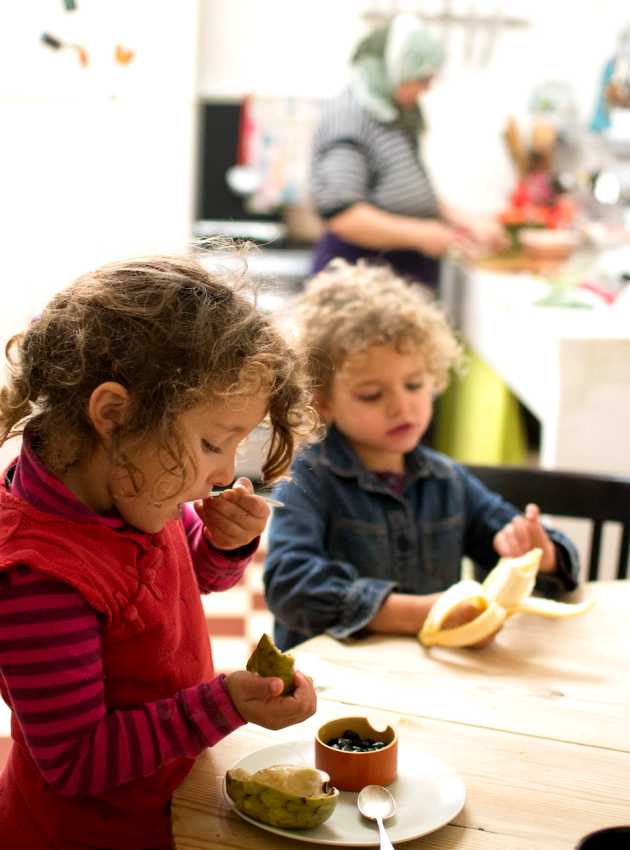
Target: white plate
427,791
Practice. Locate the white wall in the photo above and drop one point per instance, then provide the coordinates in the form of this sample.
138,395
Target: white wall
300,47
95,163
284,47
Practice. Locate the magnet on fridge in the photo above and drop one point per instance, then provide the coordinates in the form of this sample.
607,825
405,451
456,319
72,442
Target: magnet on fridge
51,41
123,55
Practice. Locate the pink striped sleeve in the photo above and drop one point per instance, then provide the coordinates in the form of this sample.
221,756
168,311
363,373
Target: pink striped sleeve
51,665
216,570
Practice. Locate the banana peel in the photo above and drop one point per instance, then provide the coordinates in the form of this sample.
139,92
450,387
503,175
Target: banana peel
506,590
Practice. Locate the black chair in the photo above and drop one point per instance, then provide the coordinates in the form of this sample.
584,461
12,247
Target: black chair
599,498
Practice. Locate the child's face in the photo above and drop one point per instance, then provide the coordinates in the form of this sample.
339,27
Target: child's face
382,401
211,434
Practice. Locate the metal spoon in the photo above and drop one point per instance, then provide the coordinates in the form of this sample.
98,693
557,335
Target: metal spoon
274,503
376,803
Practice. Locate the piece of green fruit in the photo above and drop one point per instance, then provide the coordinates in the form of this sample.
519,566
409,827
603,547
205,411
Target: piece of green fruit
267,660
286,796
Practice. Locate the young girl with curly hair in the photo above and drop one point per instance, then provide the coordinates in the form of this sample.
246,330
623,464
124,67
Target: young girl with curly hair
133,391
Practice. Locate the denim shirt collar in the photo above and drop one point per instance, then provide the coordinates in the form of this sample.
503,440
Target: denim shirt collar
337,454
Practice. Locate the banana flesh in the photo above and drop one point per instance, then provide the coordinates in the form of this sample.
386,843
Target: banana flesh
506,590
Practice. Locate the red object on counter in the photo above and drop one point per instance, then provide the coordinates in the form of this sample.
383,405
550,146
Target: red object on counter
525,211
605,294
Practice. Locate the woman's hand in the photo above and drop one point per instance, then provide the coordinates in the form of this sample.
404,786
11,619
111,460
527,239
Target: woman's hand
482,234
524,533
235,517
259,699
434,237
487,232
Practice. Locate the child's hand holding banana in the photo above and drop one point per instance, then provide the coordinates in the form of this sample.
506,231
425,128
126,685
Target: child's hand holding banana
505,591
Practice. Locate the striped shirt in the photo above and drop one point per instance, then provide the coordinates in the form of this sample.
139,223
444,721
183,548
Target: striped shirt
51,665
357,158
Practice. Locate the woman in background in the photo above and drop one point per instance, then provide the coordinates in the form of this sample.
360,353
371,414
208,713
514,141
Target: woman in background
368,179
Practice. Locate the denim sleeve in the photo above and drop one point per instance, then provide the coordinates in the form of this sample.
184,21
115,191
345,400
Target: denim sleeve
306,590
487,513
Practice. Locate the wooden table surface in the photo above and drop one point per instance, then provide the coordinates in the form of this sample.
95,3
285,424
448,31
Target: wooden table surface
537,725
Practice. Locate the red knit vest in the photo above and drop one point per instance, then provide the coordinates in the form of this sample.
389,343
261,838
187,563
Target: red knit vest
154,643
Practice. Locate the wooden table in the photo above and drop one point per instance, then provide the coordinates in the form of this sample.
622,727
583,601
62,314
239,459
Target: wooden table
537,725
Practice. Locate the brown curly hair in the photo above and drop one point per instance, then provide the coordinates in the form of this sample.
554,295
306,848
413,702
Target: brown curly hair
174,335
347,309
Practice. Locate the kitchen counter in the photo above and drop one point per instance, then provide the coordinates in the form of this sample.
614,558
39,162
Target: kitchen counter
570,367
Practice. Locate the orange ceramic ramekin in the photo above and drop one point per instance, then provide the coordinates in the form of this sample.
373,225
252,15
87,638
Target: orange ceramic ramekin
351,771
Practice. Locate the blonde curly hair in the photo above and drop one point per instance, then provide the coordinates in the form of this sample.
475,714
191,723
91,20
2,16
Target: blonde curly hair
170,332
346,309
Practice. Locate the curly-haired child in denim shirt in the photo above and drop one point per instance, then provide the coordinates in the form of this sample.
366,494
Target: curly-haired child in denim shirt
375,525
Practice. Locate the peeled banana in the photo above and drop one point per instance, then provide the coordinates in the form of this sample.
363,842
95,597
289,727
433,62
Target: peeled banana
506,590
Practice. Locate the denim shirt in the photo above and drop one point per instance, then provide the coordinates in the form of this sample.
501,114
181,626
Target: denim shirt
345,540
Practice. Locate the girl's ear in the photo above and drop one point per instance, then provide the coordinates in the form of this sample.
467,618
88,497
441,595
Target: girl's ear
108,407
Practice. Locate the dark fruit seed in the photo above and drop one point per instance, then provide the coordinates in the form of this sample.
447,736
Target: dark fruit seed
351,742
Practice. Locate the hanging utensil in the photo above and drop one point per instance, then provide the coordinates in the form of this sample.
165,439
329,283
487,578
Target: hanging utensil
471,23
492,33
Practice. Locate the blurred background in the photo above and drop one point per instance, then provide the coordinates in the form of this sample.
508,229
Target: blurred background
119,141
139,126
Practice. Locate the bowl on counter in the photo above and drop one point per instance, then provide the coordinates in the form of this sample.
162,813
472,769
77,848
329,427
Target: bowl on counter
355,754
541,243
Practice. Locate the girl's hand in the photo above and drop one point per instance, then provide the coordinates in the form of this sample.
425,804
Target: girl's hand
234,518
259,699
524,533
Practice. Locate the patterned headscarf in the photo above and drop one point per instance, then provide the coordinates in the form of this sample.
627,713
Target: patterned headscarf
404,50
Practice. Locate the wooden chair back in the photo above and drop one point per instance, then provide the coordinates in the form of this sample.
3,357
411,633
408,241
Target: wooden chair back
598,498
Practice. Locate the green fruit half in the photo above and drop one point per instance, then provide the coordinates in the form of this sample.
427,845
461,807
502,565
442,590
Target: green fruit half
286,796
267,660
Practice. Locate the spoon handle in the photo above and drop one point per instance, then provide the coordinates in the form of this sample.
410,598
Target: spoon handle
274,503
386,844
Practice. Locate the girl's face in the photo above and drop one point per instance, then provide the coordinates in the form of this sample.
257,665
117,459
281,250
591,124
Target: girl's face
211,434
382,400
